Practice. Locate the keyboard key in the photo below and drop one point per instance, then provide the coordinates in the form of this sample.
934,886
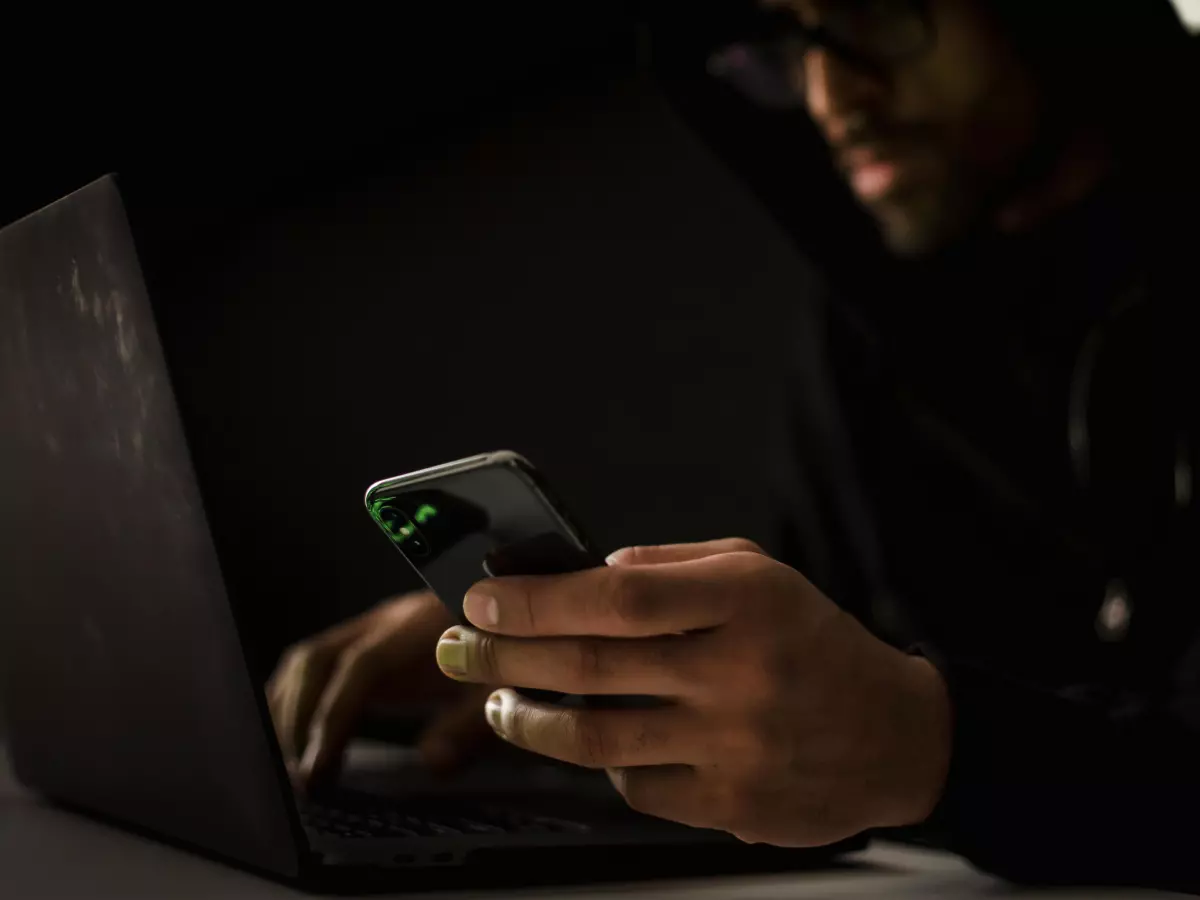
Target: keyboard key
363,818
469,826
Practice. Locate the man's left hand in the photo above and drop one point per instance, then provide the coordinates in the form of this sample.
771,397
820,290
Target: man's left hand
783,720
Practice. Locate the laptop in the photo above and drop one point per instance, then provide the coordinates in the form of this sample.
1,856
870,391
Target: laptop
124,674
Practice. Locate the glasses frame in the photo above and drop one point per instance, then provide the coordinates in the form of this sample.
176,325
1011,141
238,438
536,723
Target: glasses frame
753,63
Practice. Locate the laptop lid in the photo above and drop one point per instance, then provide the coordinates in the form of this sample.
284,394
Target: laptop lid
124,683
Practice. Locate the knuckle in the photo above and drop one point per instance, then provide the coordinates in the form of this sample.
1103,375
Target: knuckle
668,661
750,674
486,658
593,747
758,684
745,545
758,752
749,562
526,604
590,664
775,675
751,744
765,669
627,600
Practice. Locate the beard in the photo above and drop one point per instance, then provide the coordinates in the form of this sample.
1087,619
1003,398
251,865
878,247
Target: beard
910,180
919,220
954,176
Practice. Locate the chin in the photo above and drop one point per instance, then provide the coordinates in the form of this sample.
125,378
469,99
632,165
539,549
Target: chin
911,243
919,221
912,230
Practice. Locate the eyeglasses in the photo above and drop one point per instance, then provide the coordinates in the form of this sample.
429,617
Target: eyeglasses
767,64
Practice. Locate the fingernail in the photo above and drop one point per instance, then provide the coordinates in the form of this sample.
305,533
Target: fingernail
481,610
495,712
617,557
452,655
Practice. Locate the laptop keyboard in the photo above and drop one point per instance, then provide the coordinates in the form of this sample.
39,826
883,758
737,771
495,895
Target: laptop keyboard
362,821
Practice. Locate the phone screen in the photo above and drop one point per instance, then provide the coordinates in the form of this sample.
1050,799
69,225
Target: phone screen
484,517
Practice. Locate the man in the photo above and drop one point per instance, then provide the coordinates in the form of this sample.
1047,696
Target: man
994,485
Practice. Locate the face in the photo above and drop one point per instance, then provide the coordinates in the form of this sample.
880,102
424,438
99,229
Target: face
930,144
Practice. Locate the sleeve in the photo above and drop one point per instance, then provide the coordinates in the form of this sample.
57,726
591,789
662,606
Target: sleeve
1097,785
1082,786
1049,789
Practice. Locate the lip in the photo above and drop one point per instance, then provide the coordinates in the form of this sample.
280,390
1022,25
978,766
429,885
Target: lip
873,175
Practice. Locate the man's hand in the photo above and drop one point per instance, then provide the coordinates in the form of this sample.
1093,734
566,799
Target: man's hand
324,685
785,721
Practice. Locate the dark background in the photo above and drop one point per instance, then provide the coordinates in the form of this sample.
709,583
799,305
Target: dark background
540,228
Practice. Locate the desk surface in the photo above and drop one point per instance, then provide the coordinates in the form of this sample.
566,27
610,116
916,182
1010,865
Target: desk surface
47,852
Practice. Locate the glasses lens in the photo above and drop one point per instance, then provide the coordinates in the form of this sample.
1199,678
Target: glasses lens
769,66
764,73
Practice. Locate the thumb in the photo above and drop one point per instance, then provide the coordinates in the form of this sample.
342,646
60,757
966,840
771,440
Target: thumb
676,553
458,733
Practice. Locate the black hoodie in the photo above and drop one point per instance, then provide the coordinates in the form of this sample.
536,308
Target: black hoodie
996,460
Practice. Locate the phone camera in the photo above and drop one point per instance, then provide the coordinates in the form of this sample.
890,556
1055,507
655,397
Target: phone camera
403,531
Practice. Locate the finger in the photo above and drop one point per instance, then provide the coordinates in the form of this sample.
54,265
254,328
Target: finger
340,707
457,734
389,637
594,738
275,708
295,694
671,553
652,667
676,793
613,601
296,685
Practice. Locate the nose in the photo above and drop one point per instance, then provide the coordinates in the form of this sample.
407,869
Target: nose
836,91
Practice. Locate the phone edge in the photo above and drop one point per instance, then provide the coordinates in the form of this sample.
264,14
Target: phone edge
466,464
509,458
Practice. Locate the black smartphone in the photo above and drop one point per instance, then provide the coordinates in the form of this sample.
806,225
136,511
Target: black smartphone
484,516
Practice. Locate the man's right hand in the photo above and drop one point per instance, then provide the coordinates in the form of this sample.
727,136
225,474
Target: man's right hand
324,685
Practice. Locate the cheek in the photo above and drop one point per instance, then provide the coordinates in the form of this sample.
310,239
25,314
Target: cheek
975,89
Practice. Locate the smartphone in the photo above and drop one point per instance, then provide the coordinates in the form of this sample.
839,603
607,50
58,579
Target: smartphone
484,516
